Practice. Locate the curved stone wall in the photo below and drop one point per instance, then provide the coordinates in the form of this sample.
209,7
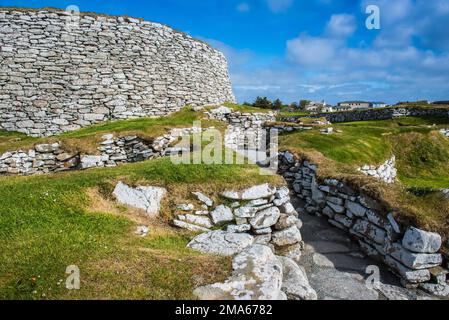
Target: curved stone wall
59,74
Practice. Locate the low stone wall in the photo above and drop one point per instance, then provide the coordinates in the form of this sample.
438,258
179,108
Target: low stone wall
375,114
245,130
48,158
411,253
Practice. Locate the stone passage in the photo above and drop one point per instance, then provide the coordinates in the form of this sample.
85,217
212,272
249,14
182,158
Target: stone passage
413,254
57,77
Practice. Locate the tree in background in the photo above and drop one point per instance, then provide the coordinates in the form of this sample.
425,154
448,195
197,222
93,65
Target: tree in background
303,104
277,104
263,103
293,106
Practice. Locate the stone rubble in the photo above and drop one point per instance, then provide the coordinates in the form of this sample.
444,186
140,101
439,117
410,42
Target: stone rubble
387,172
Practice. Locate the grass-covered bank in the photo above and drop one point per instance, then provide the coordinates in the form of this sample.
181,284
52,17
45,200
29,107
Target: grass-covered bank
86,139
422,155
50,222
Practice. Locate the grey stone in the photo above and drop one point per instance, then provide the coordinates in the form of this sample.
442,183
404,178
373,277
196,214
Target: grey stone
295,283
257,275
204,199
287,237
221,242
265,218
420,241
221,214
146,198
412,260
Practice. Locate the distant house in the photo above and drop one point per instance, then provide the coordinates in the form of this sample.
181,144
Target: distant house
358,105
318,107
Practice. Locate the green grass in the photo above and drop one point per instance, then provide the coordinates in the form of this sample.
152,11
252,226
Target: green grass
422,153
50,222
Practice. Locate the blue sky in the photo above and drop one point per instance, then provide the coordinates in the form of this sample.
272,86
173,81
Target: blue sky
309,49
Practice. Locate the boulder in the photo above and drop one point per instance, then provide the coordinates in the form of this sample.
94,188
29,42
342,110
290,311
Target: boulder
420,241
221,243
266,218
257,275
146,198
295,283
221,214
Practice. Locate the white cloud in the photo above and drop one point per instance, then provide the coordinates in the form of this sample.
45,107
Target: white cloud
341,25
278,6
243,7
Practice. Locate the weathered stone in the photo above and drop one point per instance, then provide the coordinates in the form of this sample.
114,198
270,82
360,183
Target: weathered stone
201,221
285,221
221,242
420,241
370,231
412,260
287,237
253,193
295,283
266,218
189,226
146,198
356,209
204,199
221,214
412,276
257,275
239,228
245,212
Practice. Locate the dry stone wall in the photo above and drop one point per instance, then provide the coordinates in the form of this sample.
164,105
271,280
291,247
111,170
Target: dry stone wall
411,253
376,114
57,76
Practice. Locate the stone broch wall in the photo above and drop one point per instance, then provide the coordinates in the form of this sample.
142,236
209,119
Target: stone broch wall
56,77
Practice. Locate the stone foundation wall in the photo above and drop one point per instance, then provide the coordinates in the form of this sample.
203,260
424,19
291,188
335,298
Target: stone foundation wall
411,253
58,76
375,114
49,158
